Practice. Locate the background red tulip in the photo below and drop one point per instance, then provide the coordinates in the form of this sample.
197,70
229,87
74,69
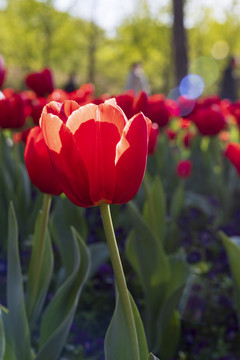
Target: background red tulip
2,71
12,115
153,137
232,152
40,82
184,168
209,120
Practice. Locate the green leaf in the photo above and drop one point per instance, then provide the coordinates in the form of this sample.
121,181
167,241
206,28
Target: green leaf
177,202
2,337
146,255
3,308
233,252
179,273
168,320
155,207
58,316
152,357
64,216
39,274
99,254
117,340
16,319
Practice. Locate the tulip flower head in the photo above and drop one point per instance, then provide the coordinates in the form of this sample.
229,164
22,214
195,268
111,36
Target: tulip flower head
232,152
209,120
98,155
40,82
12,114
2,71
184,168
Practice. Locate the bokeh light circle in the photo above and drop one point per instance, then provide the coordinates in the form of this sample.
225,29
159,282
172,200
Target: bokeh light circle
184,104
220,50
191,86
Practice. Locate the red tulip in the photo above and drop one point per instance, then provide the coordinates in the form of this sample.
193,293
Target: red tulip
2,71
98,155
153,137
184,168
141,103
234,110
125,101
40,82
59,95
187,138
84,94
21,136
38,163
37,106
171,134
232,152
12,114
209,120
158,111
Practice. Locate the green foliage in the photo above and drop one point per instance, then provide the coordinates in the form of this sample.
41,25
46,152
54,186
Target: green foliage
118,339
2,337
162,278
233,252
15,322
57,318
59,314
39,273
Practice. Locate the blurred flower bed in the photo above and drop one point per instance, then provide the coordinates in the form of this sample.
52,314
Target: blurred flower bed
188,200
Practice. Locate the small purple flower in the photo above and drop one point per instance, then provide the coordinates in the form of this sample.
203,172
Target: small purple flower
194,257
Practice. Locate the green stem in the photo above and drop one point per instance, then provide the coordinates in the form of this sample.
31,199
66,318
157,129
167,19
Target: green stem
38,252
119,277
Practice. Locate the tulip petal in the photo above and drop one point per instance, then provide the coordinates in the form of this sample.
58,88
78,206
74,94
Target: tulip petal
38,163
66,160
131,157
232,152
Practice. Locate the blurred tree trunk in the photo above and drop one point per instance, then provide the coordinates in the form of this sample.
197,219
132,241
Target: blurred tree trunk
92,52
179,41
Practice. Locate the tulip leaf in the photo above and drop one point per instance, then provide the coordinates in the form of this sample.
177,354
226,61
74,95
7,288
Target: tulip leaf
155,207
16,319
152,357
170,337
22,187
64,216
177,202
117,340
2,337
59,314
233,253
39,273
168,320
146,255
99,254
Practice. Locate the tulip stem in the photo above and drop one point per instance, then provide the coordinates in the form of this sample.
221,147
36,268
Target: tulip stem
119,277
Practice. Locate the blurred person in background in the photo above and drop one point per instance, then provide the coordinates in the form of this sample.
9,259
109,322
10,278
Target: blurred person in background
71,83
136,79
229,83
